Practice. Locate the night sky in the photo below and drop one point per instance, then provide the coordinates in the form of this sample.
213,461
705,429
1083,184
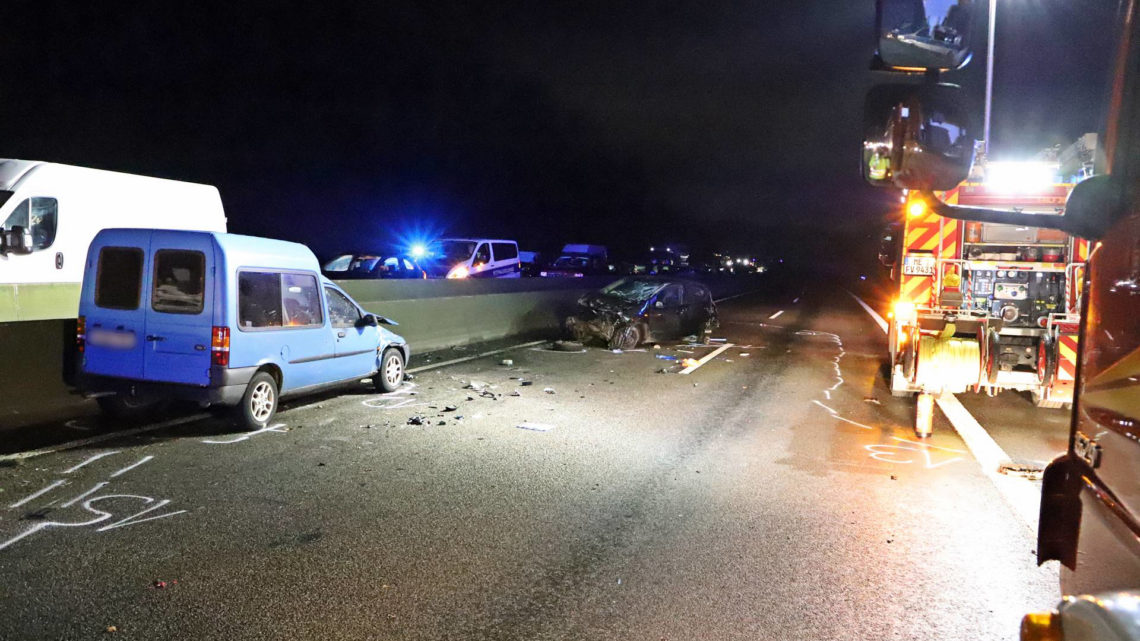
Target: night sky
343,125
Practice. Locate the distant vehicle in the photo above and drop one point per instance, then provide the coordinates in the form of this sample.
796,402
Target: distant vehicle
50,212
577,261
222,320
641,309
530,263
473,258
373,265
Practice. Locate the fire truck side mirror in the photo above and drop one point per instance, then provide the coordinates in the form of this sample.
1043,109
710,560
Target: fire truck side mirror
916,137
917,36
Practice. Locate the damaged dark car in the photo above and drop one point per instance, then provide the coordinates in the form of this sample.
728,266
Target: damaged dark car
636,310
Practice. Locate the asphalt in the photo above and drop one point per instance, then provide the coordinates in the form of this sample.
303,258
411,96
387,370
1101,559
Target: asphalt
775,495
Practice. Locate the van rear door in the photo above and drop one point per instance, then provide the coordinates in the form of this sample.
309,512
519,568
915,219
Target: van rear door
116,322
179,308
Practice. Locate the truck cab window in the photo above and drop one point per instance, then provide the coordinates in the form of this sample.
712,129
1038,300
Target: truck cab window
37,215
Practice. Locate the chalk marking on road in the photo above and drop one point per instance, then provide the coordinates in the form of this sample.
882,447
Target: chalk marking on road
707,357
836,415
776,315
98,486
276,427
37,494
46,524
456,361
562,351
74,424
133,465
134,518
90,459
70,445
395,400
936,447
874,315
880,450
829,410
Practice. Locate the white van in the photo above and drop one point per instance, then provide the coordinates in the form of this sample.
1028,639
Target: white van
49,214
473,258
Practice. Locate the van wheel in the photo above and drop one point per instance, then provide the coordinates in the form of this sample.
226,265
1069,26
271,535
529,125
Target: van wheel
258,404
128,408
391,372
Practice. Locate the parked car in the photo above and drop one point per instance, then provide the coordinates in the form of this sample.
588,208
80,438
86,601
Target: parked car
373,265
223,320
640,309
473,258
530,263
577,261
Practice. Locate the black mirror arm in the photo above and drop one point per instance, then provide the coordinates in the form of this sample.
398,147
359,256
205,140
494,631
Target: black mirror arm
1082,228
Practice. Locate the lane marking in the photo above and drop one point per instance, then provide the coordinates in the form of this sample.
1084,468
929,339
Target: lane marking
132,466
708,357
776,315
875,315
751,291
1022,497
90,459
37,494
70,445
424,368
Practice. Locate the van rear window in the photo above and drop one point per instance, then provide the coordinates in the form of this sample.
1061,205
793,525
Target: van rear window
259,299
179,281
505,251
118,278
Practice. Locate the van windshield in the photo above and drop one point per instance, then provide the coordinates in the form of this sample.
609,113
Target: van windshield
456,250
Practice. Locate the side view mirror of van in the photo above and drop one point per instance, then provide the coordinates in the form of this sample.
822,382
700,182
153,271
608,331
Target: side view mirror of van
17,240
916,137
367,320
917,36
384,320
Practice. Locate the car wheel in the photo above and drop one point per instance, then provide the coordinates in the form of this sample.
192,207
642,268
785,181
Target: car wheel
128,408
259,403
391,372
625,337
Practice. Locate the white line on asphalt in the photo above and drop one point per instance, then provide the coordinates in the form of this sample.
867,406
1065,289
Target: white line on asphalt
1023,497
776,315
35,495
132,465
708,357
424,368
90,459
751,291
86,494
102,437
875,315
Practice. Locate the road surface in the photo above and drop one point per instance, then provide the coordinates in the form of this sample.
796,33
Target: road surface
775,492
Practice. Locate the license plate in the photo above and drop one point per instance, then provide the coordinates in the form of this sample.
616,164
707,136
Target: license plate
918,265
112,340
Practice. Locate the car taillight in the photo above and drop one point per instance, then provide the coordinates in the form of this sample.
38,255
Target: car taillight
220,346
81,333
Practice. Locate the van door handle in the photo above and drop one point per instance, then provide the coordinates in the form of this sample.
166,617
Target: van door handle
154,339
340,334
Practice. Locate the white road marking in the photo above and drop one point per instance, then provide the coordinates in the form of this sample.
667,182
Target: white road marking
37,494
708,357
424,368
1023,497
98,486
90,459
132,466
776,315
102,437
721,300
875,315
276,427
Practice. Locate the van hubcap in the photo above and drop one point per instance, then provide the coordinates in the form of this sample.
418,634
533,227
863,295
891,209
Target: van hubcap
261,401
393,371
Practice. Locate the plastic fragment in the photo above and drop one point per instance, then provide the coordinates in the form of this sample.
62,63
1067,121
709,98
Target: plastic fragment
548,390
506,362
666,357
535,427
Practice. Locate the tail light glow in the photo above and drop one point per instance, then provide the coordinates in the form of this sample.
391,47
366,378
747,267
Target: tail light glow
81,333
220,346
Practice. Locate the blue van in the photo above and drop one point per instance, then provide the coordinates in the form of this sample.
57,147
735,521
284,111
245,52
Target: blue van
223,320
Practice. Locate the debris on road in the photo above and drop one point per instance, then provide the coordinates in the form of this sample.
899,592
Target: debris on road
690,362
515,393
617,351
872,400
416,420
567,346
1026,470
450,408
506,362
894,477
478,386
744,354
666,357
718,340
535,427
111,629
526,383
548,390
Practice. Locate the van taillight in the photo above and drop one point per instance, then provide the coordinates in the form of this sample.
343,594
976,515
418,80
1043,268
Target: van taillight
81,333
220,346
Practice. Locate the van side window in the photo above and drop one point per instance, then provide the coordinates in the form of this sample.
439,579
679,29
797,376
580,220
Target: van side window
302,301
37,215
505,251
483,254
179,281
118,278
259,299
342,312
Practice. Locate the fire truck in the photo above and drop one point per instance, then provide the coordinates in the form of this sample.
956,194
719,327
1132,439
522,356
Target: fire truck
984,307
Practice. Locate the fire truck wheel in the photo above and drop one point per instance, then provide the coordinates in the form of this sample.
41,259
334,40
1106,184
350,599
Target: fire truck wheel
909,358
992,366
1046,360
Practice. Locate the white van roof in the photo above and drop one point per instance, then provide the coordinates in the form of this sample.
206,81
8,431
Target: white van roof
12,170
476,240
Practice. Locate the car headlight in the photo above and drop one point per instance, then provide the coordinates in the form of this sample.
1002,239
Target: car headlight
459,271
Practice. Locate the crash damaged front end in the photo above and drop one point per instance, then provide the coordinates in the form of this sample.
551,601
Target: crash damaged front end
607,320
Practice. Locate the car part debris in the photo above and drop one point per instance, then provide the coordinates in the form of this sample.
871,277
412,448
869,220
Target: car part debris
1026,470
526,383
535,427
548,390
450,408
478,386
568,346
666,357
515,393
506,362
868,399
416,420
718,340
